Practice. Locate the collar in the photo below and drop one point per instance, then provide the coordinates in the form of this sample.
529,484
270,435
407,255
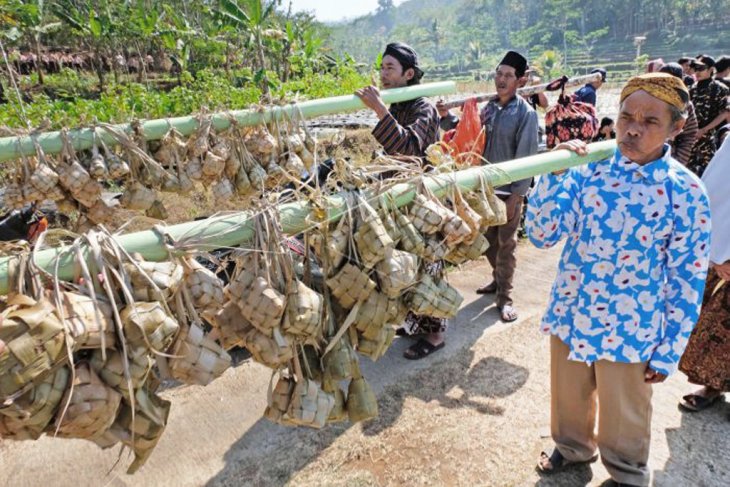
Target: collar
403,104
655,171
512,101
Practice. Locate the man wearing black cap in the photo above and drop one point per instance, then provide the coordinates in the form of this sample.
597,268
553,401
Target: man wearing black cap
722,68
687,77
587,94
710,99
407,129
683,143
511,127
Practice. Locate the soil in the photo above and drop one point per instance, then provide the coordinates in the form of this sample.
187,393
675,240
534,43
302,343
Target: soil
475,413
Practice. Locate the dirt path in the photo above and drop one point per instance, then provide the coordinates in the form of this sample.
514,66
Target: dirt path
475,414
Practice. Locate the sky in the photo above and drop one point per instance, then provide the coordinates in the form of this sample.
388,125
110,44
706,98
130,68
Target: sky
332,10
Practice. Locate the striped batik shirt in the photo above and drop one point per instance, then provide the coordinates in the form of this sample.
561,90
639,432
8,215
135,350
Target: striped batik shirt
408,128
683,143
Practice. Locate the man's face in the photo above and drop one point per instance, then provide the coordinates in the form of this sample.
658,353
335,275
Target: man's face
597,84
685,67
644,125
702,72
507,81
392,74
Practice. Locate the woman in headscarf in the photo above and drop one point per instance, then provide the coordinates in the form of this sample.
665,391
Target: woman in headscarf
706,361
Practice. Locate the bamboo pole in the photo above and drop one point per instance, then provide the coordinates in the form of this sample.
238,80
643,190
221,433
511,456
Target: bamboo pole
527,90
231,230
51,143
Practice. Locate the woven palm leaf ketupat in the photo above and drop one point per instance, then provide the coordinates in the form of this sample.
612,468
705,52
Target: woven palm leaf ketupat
87,319
32,344
371,236
434,297
197,359
148,328
303,312
111,370
154,281
30,414
92,406
350,285
397,272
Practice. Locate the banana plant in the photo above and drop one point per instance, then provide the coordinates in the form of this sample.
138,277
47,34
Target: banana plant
30,19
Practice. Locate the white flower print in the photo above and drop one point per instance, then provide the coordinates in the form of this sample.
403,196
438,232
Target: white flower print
581,347
602,269
631,354
612,341
647,300
625,304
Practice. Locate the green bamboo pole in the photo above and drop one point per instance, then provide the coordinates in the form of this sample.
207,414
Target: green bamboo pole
235,229
51,143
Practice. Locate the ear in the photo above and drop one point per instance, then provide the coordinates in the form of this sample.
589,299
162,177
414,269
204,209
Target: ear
409,74
677,128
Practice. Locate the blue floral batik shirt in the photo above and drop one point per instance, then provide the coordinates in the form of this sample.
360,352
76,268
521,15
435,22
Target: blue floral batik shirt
632,273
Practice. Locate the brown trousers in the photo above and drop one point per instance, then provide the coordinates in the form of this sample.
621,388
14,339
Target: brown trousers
501,255
623,400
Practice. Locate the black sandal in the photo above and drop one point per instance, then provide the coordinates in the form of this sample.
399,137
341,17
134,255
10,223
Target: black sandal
422,348
559,462
694,403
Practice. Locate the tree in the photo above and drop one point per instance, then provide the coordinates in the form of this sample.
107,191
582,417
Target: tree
31,20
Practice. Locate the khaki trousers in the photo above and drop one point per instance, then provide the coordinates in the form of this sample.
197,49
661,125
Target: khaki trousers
501,255
617,394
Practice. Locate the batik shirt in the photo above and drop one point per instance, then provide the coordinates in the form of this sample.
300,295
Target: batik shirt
408,128
632,272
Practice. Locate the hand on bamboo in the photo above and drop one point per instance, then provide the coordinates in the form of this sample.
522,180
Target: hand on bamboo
370,96
441,108
577,146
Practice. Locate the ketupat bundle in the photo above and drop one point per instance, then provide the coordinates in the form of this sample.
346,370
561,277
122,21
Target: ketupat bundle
371,236
154,281
32,344
92,406
304,311
350,285
397,272
89,322
434,297
28,416
148,327
196,358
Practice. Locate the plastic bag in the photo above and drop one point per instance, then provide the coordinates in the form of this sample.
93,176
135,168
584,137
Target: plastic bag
466,141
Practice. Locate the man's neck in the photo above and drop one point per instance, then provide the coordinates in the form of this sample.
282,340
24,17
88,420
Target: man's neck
657,155
504,100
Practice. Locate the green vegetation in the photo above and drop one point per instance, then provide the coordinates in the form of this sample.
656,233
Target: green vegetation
565,36
82,61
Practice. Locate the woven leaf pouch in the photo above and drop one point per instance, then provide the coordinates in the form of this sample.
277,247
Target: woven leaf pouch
231,325
350,285
89,194
26,417
32,343
89,322
198,359
411,239
304,311
361,402
111,371
272,352
167,276
138,197
206,289
336,243
477,201
470,216
73,176
468,251
43,178
337,363
434,297
101,213
92,406
497,206
140,432
427,214
278,399
455,230
309,405
371,236
397,271
373,315
436,248
338,413
375,347
261,304
148,328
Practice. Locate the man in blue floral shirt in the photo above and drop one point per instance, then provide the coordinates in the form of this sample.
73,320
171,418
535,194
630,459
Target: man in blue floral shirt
630,280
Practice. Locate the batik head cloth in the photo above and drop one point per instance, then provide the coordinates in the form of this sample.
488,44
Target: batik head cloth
663,86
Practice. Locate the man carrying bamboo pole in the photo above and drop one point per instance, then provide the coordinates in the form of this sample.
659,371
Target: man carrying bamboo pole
630,281
511,127
407,129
